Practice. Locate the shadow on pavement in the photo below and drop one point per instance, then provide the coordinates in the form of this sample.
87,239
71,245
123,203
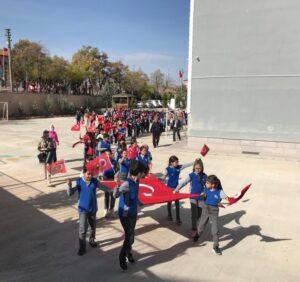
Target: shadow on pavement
35,247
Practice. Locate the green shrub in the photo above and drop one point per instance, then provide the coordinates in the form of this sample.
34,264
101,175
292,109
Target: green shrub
49,105
71,109
34,108
20,110
63,105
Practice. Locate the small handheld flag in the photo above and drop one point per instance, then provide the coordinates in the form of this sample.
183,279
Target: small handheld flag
204,150
75,127
57,167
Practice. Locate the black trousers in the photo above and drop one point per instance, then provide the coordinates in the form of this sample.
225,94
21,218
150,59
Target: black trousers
176,131
169,205
51,156
155,139
128,224
109,200
195,215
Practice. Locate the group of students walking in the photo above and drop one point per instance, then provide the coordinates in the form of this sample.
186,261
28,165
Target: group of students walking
128,165
206,195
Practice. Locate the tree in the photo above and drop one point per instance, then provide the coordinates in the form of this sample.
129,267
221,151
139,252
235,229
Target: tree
57,70
92,63
75,78
157,80
168,82
109,89
117,72
135,82
29,61
147,93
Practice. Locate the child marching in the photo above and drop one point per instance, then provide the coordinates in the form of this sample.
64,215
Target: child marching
86,186
109,174
171,176
128,194
213,194
197,180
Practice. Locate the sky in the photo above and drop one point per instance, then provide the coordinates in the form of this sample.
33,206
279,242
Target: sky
146,34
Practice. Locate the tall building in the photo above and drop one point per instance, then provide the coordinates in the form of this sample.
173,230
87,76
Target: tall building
244,76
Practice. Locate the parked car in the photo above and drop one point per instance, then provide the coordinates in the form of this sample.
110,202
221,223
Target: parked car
140,105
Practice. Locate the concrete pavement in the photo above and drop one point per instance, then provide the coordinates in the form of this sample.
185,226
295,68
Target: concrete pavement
259,236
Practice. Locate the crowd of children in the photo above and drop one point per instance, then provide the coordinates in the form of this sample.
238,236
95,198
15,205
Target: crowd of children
129,163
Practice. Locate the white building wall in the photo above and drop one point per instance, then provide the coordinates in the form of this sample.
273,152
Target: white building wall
244,63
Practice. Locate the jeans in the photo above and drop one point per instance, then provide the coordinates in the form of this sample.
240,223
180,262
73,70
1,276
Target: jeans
174,134
86,219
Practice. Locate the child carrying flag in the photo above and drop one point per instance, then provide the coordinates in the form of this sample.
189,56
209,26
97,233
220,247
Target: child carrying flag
144,158
197,179
109,174
213,194
86,186
128,194
124,164
171,174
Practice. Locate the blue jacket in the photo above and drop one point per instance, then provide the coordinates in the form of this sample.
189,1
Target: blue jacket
129,200
145,160
173,176
103,146
213,197
124,167
87,198
197,184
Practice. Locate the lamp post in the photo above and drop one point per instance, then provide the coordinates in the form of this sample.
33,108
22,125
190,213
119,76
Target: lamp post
8,43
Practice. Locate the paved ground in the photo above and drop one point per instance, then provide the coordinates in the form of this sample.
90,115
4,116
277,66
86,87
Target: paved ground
38,238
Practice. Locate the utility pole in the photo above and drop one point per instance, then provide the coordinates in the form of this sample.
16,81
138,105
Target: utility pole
3,66
8,43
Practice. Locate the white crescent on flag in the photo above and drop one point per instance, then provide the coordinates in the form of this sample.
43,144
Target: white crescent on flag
149,187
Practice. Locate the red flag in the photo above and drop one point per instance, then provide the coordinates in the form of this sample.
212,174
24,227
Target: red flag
57,167
111,184
238,195
153,191
99,164
100,119
133,152
90,151
92,166
204,150
75,127
180,74
91,128
104,162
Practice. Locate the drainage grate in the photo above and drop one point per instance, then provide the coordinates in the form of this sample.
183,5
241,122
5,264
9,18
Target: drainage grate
250,153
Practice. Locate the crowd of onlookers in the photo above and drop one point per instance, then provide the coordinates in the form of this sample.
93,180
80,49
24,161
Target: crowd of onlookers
136,122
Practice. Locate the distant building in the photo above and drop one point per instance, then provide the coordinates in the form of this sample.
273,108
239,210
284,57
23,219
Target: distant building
123,100
244,77
3,65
